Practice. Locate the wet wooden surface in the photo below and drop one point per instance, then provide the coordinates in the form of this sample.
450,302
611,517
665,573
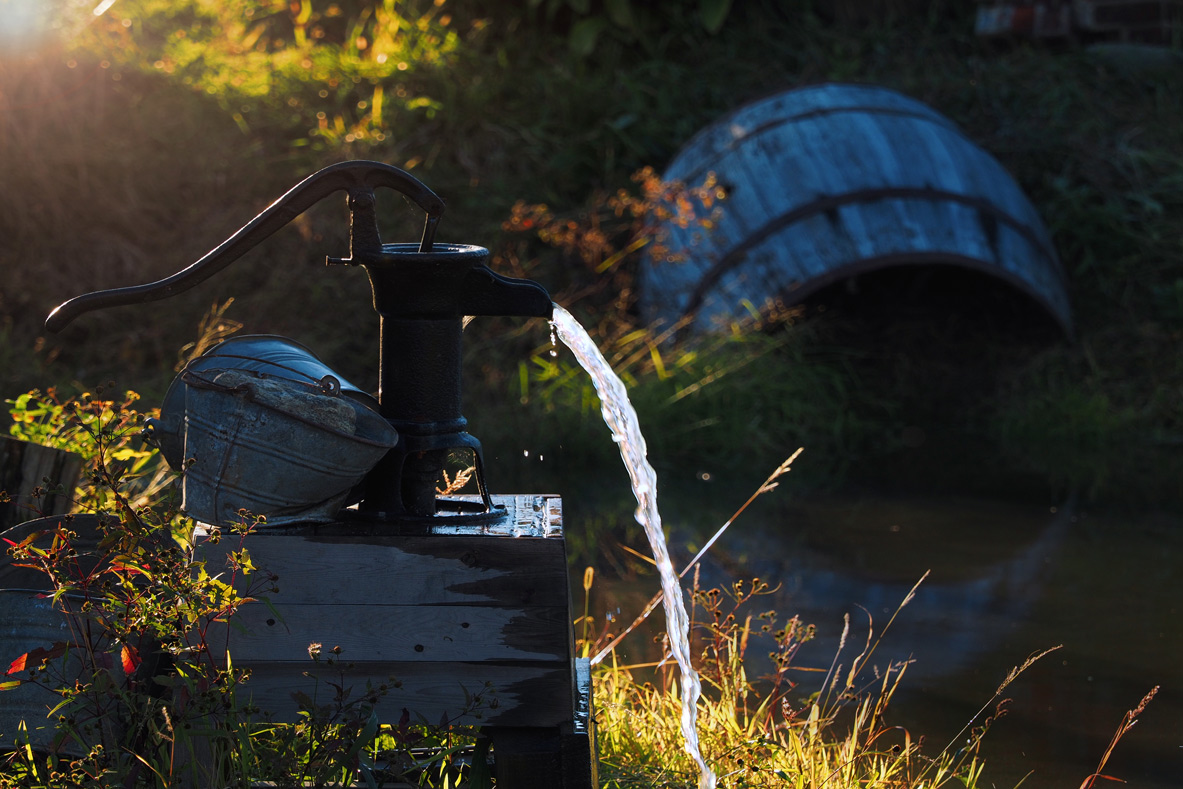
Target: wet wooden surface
440,617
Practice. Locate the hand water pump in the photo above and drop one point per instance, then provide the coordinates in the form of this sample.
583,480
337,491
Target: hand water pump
431,591
422,291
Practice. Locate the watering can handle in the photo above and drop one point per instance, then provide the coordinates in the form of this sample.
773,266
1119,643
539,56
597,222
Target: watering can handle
347,176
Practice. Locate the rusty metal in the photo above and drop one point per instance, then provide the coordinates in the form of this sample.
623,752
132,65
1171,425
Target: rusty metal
422,292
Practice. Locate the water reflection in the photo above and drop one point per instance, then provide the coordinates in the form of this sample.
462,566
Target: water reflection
987,566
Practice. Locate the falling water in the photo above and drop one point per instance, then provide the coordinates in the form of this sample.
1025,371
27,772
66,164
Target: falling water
621,419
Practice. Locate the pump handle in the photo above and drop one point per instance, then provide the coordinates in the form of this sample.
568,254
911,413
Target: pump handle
348,176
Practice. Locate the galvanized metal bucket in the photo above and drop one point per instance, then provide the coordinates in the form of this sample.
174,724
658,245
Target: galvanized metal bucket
278,448
30,619
266,353
28,622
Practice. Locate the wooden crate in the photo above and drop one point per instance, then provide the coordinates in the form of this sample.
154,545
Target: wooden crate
24,467
468,624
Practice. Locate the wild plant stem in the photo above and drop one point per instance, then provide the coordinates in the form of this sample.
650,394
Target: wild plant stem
767,485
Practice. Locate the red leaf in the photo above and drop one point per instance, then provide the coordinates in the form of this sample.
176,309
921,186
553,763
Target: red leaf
35,657
131,659
17,665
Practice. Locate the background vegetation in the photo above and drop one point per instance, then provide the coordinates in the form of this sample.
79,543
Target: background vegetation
135,140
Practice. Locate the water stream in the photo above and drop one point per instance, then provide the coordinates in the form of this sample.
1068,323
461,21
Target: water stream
621,418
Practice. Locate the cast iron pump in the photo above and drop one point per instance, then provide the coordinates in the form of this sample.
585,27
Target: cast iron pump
422,291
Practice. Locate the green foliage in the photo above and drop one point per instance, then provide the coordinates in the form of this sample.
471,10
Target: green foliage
145,698
309,71
632,21
134,671
106,433
205,112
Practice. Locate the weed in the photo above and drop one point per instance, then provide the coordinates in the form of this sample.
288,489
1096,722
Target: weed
137,691
764,732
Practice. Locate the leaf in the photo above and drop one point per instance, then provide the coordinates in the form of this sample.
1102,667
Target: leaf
130,658
35,657
480,776
125,454
368,775
584,34
18,665
12,683
713,13
367,735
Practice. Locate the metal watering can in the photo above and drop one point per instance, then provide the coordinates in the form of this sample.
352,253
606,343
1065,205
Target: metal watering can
260,423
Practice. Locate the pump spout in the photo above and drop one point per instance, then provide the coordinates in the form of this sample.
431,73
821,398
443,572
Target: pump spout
488,293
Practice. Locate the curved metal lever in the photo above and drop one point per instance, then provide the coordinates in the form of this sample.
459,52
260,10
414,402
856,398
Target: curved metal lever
348,176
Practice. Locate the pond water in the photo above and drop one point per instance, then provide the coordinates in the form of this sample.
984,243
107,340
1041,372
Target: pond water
1008,580
1010,577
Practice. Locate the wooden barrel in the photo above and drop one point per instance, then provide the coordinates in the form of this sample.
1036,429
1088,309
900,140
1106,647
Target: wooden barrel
826,182
24,467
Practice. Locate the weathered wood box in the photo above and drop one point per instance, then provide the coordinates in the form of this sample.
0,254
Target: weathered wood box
471,622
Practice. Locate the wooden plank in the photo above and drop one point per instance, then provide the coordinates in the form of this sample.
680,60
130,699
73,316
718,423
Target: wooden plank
23,468
463,693
317,568
375,633
446,611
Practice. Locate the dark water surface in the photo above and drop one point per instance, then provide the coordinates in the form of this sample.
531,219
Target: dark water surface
1008,579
